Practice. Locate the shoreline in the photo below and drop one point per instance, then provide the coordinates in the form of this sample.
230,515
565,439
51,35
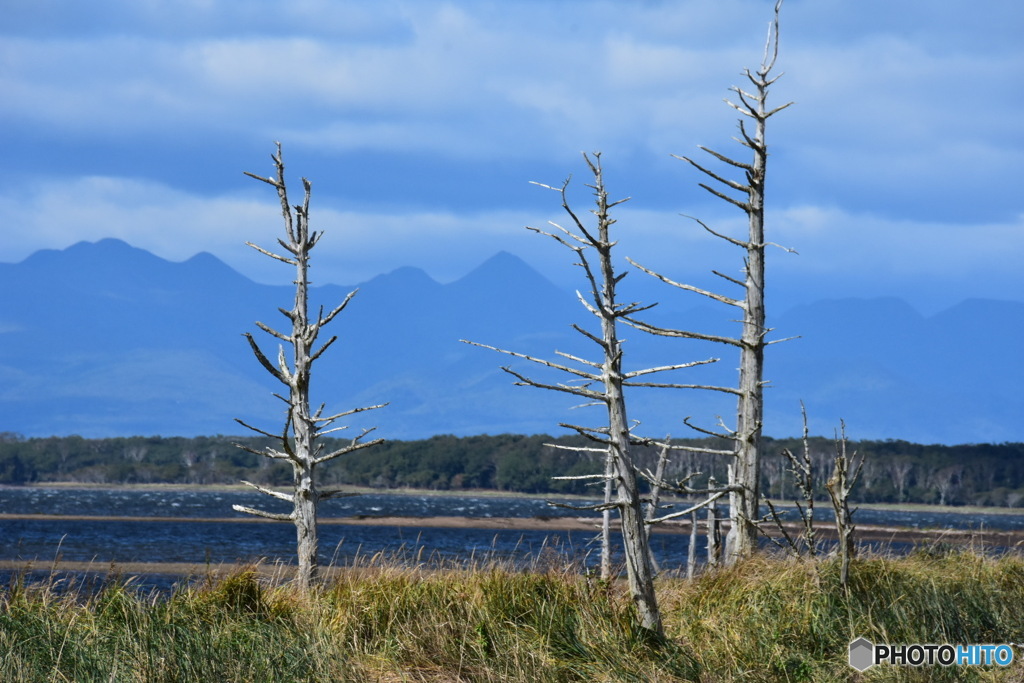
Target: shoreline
824,531
1004,541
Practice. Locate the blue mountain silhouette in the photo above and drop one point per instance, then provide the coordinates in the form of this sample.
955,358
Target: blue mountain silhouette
105,339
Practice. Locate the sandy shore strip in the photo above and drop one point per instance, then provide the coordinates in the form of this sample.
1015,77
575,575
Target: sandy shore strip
824,531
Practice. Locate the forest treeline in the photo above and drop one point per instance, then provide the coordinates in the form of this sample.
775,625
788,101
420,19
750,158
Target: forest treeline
894,471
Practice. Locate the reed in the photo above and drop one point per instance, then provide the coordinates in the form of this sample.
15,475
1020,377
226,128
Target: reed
767,619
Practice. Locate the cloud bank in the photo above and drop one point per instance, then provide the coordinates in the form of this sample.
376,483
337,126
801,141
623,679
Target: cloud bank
421,123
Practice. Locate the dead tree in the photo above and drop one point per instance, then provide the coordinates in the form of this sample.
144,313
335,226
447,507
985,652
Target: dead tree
900,472
603,383
713,493
744,501
298,442
839,486
803,475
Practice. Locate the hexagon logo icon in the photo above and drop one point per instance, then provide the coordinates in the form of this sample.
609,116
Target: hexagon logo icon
862,653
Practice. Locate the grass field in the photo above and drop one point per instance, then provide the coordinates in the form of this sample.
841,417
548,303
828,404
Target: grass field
768,619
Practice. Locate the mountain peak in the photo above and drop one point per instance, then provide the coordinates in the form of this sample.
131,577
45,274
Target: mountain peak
504,259
108,246
116,265
105,258
502,268
406,276
106,243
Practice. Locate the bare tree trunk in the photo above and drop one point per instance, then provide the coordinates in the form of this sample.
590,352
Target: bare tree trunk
639,571
307,540
839,487
742,538
691,552
606,519
803,475
714,532
303,428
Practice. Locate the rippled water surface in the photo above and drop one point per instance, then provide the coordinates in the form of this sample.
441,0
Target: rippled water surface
208,533
208,503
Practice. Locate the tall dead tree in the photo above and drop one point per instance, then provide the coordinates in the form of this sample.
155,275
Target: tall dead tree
746,467
298,441
603,382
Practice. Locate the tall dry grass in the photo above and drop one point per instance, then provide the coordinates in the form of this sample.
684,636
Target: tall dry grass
768,619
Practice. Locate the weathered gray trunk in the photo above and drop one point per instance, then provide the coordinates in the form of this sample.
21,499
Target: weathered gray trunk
606,518
839,487
307,540
742,538
691,552
639,571
652,507
714,532
304,429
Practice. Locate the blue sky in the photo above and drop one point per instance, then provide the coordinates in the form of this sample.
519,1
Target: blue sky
897,172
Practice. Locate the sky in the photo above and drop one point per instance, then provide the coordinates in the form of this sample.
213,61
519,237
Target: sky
897,171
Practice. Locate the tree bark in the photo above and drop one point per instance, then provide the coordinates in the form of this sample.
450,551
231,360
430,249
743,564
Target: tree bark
606,518
636,548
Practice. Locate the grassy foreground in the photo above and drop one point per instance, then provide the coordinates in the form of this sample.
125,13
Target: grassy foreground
768,619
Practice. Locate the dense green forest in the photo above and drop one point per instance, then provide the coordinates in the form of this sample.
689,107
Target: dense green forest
894,471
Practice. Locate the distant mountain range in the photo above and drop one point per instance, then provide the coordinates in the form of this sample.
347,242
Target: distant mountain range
104,339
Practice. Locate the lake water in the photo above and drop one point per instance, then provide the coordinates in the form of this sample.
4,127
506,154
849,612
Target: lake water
214,538
227,541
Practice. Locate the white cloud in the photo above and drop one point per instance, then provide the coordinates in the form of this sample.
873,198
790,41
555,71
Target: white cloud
477,68
169,222
903,141
831,238
932,264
